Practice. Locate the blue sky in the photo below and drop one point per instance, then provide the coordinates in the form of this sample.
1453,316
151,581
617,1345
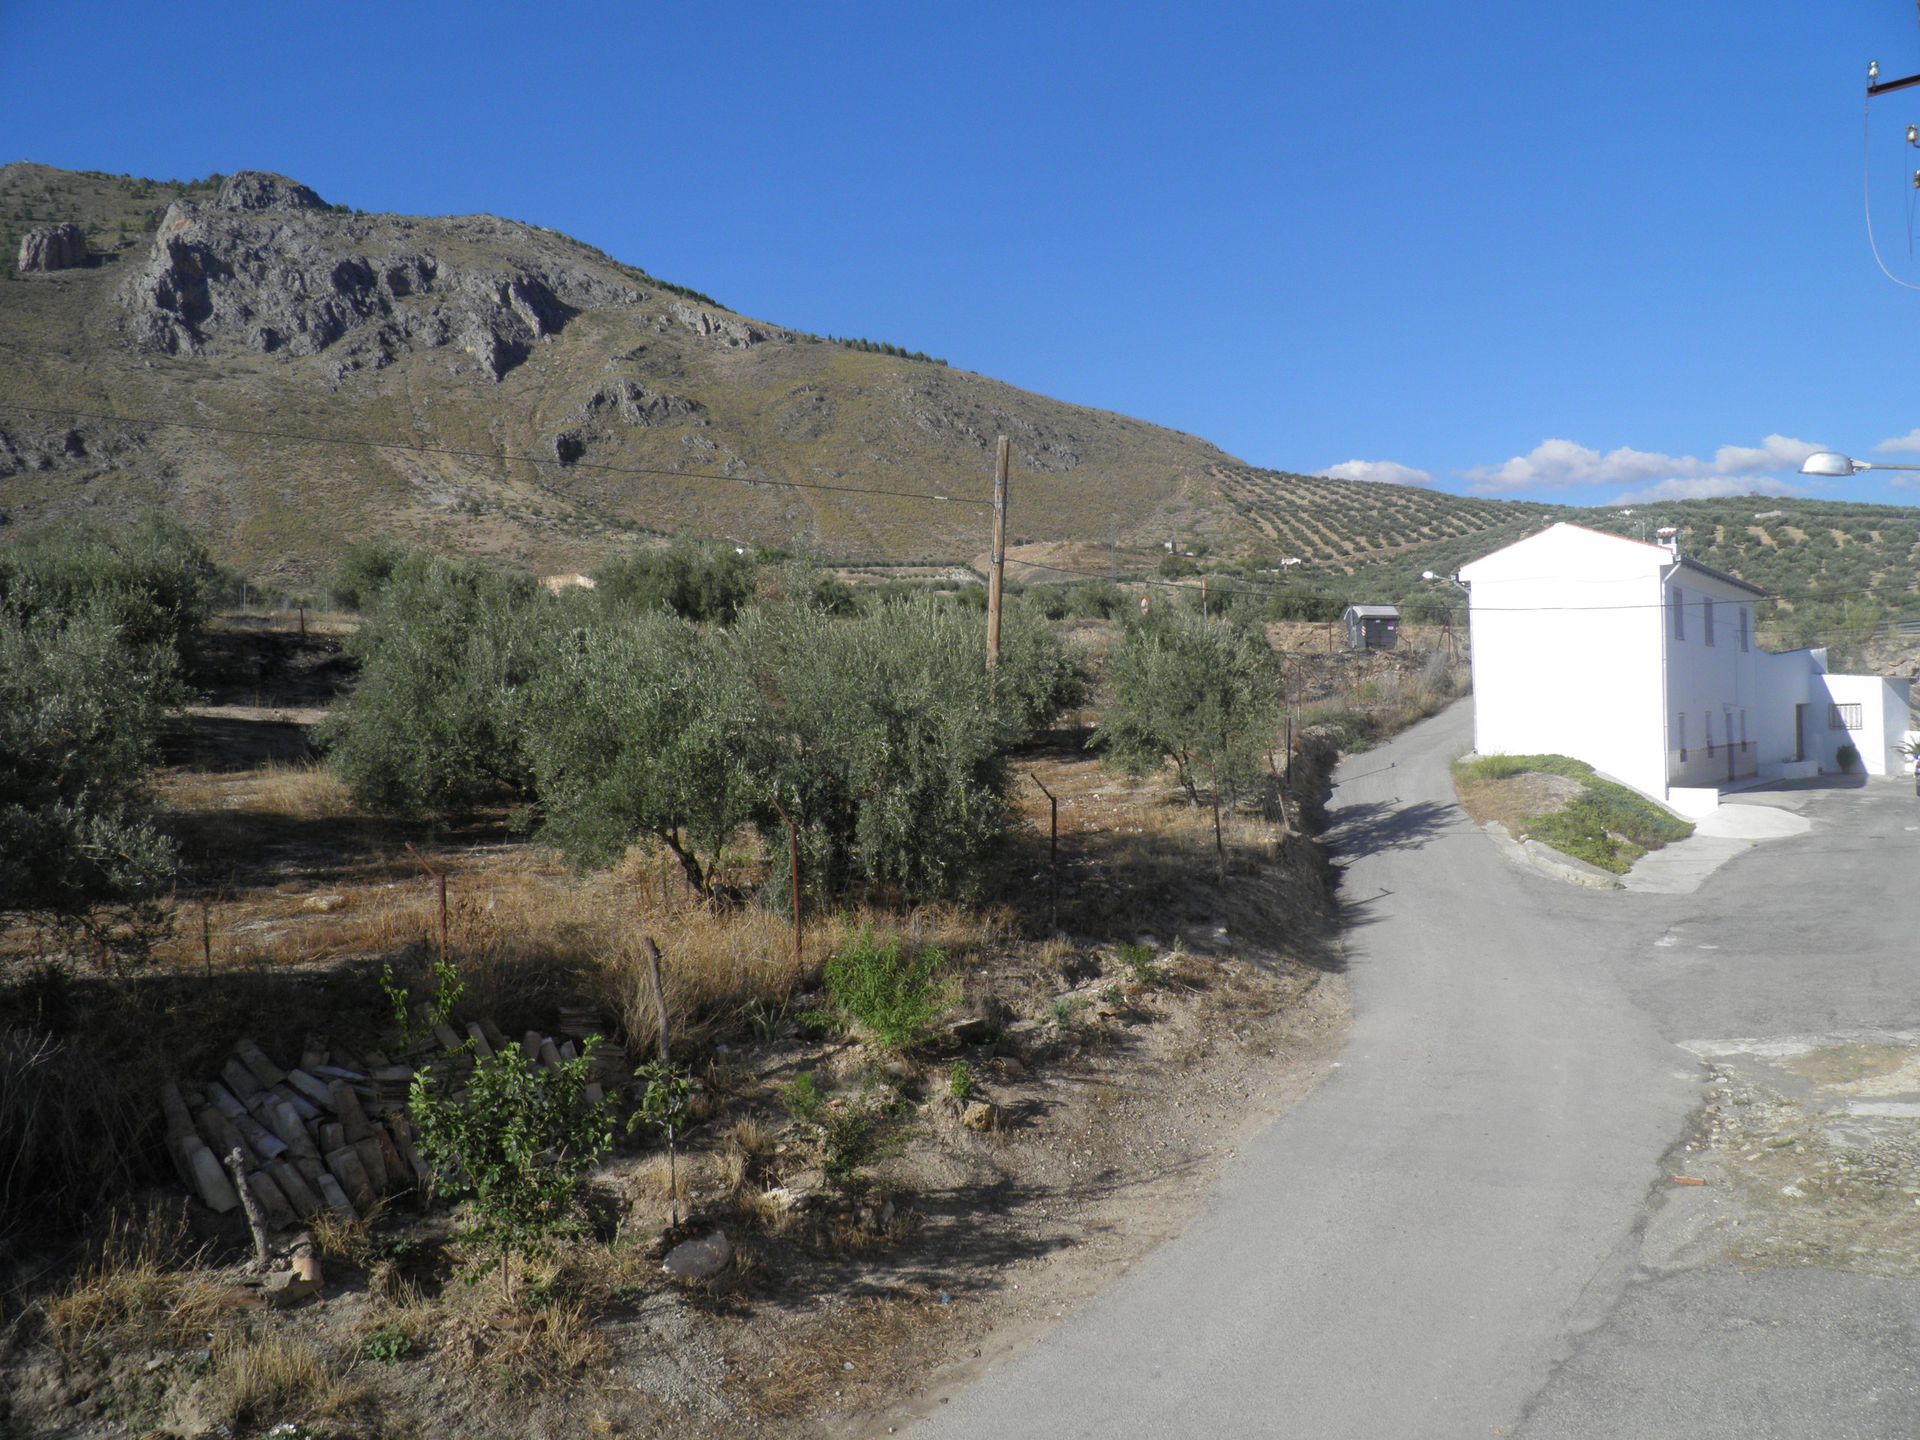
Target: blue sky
1575,253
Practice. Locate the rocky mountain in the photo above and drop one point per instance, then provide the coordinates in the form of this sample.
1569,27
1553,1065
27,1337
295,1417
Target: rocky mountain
499,388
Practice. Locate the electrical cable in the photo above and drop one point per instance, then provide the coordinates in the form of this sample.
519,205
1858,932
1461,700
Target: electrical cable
1866,192
1228,584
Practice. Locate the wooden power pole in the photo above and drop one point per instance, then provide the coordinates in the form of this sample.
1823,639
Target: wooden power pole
997,577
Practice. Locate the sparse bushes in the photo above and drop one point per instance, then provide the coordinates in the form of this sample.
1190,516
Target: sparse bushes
894,993
1607,824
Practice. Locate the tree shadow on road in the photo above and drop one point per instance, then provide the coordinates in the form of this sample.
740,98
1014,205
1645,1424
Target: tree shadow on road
1369,829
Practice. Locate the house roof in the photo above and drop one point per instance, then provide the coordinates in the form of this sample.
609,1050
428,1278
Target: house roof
1375,612
1721,576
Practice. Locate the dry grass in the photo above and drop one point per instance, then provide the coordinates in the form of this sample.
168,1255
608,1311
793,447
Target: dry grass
1516,799
754,1138
343,1239
141,1289
257,1381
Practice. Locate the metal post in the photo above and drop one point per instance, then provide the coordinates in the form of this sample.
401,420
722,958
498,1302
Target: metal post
997,579
1053,851
793,854
440,884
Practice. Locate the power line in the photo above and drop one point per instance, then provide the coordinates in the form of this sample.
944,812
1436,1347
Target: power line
491,457
1233,585
358,442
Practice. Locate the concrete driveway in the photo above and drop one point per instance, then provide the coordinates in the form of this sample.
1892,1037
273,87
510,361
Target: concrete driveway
1473,1228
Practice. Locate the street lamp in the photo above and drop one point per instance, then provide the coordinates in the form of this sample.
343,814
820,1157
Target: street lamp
1453,580
1832,465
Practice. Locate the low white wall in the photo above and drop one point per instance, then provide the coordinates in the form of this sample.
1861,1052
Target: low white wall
1883,722
1693,801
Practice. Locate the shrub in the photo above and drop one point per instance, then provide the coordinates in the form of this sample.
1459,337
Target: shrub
363,572
1203,695
1096,600
152,582
520,1143
887,743
893,994
961,1085
693,580
849,1138
801,1098
80,706
432,725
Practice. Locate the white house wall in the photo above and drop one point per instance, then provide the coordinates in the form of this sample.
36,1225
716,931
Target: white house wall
1566,635
1883,722
1713,690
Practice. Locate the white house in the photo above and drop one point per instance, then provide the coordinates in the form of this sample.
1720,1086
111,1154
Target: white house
1643,663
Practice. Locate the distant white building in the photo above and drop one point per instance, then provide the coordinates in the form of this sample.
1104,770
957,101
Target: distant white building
1643,663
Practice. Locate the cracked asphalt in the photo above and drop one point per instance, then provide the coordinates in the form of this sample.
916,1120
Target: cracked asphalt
1473,1228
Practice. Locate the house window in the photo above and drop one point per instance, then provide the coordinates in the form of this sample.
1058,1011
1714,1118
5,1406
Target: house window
1706,619
1743,629
1680,734
1708,717
1676,602
1845,717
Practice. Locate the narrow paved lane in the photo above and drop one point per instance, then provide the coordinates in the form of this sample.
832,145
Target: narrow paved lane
1409,1252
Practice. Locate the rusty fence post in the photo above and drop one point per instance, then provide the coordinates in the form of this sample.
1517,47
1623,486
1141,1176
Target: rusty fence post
793,856
1053,851
440,884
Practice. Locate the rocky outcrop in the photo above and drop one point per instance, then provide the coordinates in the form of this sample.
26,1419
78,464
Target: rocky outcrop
638,405
55,247
267,266
259,190
710,325
626,401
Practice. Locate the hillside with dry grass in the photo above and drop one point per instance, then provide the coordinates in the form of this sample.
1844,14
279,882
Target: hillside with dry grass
556,372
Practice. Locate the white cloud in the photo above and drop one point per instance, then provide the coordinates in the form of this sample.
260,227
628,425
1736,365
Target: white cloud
1556,464
1379,472
1907,444
1706,487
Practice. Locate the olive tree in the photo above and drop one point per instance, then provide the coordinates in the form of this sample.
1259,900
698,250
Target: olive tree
151,579
80,707
888,741
1201,694
431,726
645,726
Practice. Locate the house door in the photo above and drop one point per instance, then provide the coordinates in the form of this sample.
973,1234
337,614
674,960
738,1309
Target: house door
1799,732
1733,751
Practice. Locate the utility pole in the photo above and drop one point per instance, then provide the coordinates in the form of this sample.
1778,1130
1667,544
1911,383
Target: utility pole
997,579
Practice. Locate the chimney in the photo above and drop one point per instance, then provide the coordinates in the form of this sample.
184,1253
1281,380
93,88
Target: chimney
1669,539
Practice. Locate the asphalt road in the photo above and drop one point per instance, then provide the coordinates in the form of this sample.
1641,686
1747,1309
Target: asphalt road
1461,1233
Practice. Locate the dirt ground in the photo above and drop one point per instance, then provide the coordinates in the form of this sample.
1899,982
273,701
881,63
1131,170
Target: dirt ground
1809,1149
1179,1003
